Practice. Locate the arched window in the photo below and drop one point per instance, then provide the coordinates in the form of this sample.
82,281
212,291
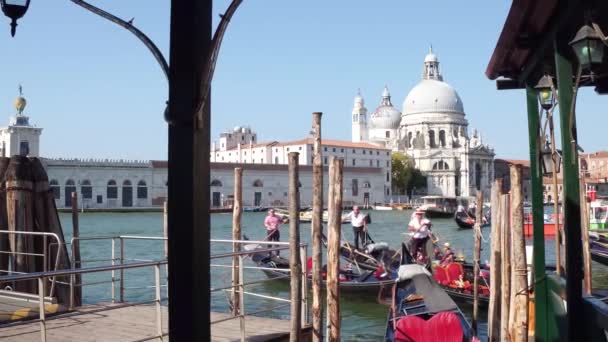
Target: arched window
215,182
112,190
55,188
70,187
258,183
432,138
127,193
70,182
142,189
442,138
86,189
441,165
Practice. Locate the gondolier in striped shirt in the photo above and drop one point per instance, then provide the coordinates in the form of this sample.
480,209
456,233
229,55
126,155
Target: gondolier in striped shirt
272,222
359,223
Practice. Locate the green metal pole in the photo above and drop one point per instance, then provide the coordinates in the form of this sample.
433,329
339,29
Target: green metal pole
571,199
541,309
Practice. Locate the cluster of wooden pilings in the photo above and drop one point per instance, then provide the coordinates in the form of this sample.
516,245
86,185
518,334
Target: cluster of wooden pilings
27,210
296,267
508,317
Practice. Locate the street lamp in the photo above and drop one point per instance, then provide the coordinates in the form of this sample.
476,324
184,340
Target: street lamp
14,9
588,47
550,163
544,88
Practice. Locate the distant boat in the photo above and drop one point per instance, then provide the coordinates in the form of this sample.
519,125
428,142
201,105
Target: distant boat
382,207
306,216
441,206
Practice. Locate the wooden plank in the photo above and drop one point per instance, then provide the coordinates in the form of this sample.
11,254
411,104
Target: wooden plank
518,314
495,264
237,211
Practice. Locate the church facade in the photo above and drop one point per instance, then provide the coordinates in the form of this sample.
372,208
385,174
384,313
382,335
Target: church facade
433,131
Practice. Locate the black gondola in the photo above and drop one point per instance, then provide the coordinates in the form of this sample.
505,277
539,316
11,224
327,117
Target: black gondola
598,248
420,310
467,221
366,281
373,256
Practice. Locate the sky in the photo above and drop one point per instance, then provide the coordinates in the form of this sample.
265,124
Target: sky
98,93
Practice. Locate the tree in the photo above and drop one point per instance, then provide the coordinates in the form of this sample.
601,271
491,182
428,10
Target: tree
406,176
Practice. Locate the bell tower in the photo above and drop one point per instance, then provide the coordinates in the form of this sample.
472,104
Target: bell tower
359,119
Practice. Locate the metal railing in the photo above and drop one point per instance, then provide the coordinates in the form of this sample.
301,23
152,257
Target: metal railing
41,277
238,288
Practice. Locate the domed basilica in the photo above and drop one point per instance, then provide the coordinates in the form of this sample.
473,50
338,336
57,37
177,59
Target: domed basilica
433,131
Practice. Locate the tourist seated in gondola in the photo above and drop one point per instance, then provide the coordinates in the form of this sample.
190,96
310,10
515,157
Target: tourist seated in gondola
448,255
419,229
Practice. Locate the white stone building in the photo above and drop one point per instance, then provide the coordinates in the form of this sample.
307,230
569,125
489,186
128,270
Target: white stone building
233,148
431,129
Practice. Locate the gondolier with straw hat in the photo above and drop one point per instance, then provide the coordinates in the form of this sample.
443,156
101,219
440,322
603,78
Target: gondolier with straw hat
419,230
272,222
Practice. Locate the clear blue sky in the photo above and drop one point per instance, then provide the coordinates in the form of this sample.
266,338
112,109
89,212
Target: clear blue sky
97,91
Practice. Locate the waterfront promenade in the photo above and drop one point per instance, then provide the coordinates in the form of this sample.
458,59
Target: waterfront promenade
135,323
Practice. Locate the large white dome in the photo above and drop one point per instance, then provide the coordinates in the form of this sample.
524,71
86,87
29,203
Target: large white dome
432,96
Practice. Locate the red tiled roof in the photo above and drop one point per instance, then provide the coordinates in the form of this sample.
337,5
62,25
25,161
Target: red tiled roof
597,154
522,162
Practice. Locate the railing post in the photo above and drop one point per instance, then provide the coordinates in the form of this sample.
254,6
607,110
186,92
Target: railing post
303,258
241,298
159,321
72,278
122,272
41,308
113,291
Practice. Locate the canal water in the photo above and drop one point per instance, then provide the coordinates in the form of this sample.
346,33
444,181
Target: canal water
363,319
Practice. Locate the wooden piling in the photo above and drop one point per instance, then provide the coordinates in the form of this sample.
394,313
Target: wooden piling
333,248
4,238
585,235
476,257
294,247
47,220
76,250
19,189
317,229
165,227
505,288
237,211
495,264
518,314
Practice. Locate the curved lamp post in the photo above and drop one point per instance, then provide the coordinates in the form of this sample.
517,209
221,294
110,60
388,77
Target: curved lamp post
14,9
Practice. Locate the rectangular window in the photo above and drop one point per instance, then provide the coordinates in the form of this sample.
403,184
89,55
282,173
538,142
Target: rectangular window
325,161
24,148
371,162
354,151
325,149
388,134
99,199
342,150
334,149
300,148
142,192
387,163
354,162
87,192
355,187
363,151
56,192
377,163
377,153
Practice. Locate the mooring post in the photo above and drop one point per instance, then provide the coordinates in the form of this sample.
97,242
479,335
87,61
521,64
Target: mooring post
476,257
518,316
333,248
585,235
294,247
76,249
317,229
495,264
505,291
237,211
165,225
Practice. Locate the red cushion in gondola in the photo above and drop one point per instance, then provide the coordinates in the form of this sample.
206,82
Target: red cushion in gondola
443,327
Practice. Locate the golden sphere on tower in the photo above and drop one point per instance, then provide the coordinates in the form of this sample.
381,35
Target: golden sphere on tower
20,103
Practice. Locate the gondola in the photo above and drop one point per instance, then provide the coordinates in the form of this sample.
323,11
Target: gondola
371,257
458,288
366,281
598,248
467,221
420,310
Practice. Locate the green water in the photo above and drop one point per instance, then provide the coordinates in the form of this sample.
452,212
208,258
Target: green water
363,319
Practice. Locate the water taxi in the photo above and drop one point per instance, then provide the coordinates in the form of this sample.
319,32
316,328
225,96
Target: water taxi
598,215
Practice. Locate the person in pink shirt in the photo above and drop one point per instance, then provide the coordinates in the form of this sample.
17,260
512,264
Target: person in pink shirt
272,222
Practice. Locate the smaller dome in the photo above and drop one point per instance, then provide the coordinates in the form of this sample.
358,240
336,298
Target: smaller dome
386,116
430,58
236,129
20,104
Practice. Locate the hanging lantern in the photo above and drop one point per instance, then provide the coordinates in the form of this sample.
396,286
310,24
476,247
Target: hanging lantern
545,92
588,47
548,162
14,9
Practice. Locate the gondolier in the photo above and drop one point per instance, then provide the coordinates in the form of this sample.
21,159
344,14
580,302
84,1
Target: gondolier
419,230
272,222
359,223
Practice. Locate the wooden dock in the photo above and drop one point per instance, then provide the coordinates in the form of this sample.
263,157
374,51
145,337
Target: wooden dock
136,323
